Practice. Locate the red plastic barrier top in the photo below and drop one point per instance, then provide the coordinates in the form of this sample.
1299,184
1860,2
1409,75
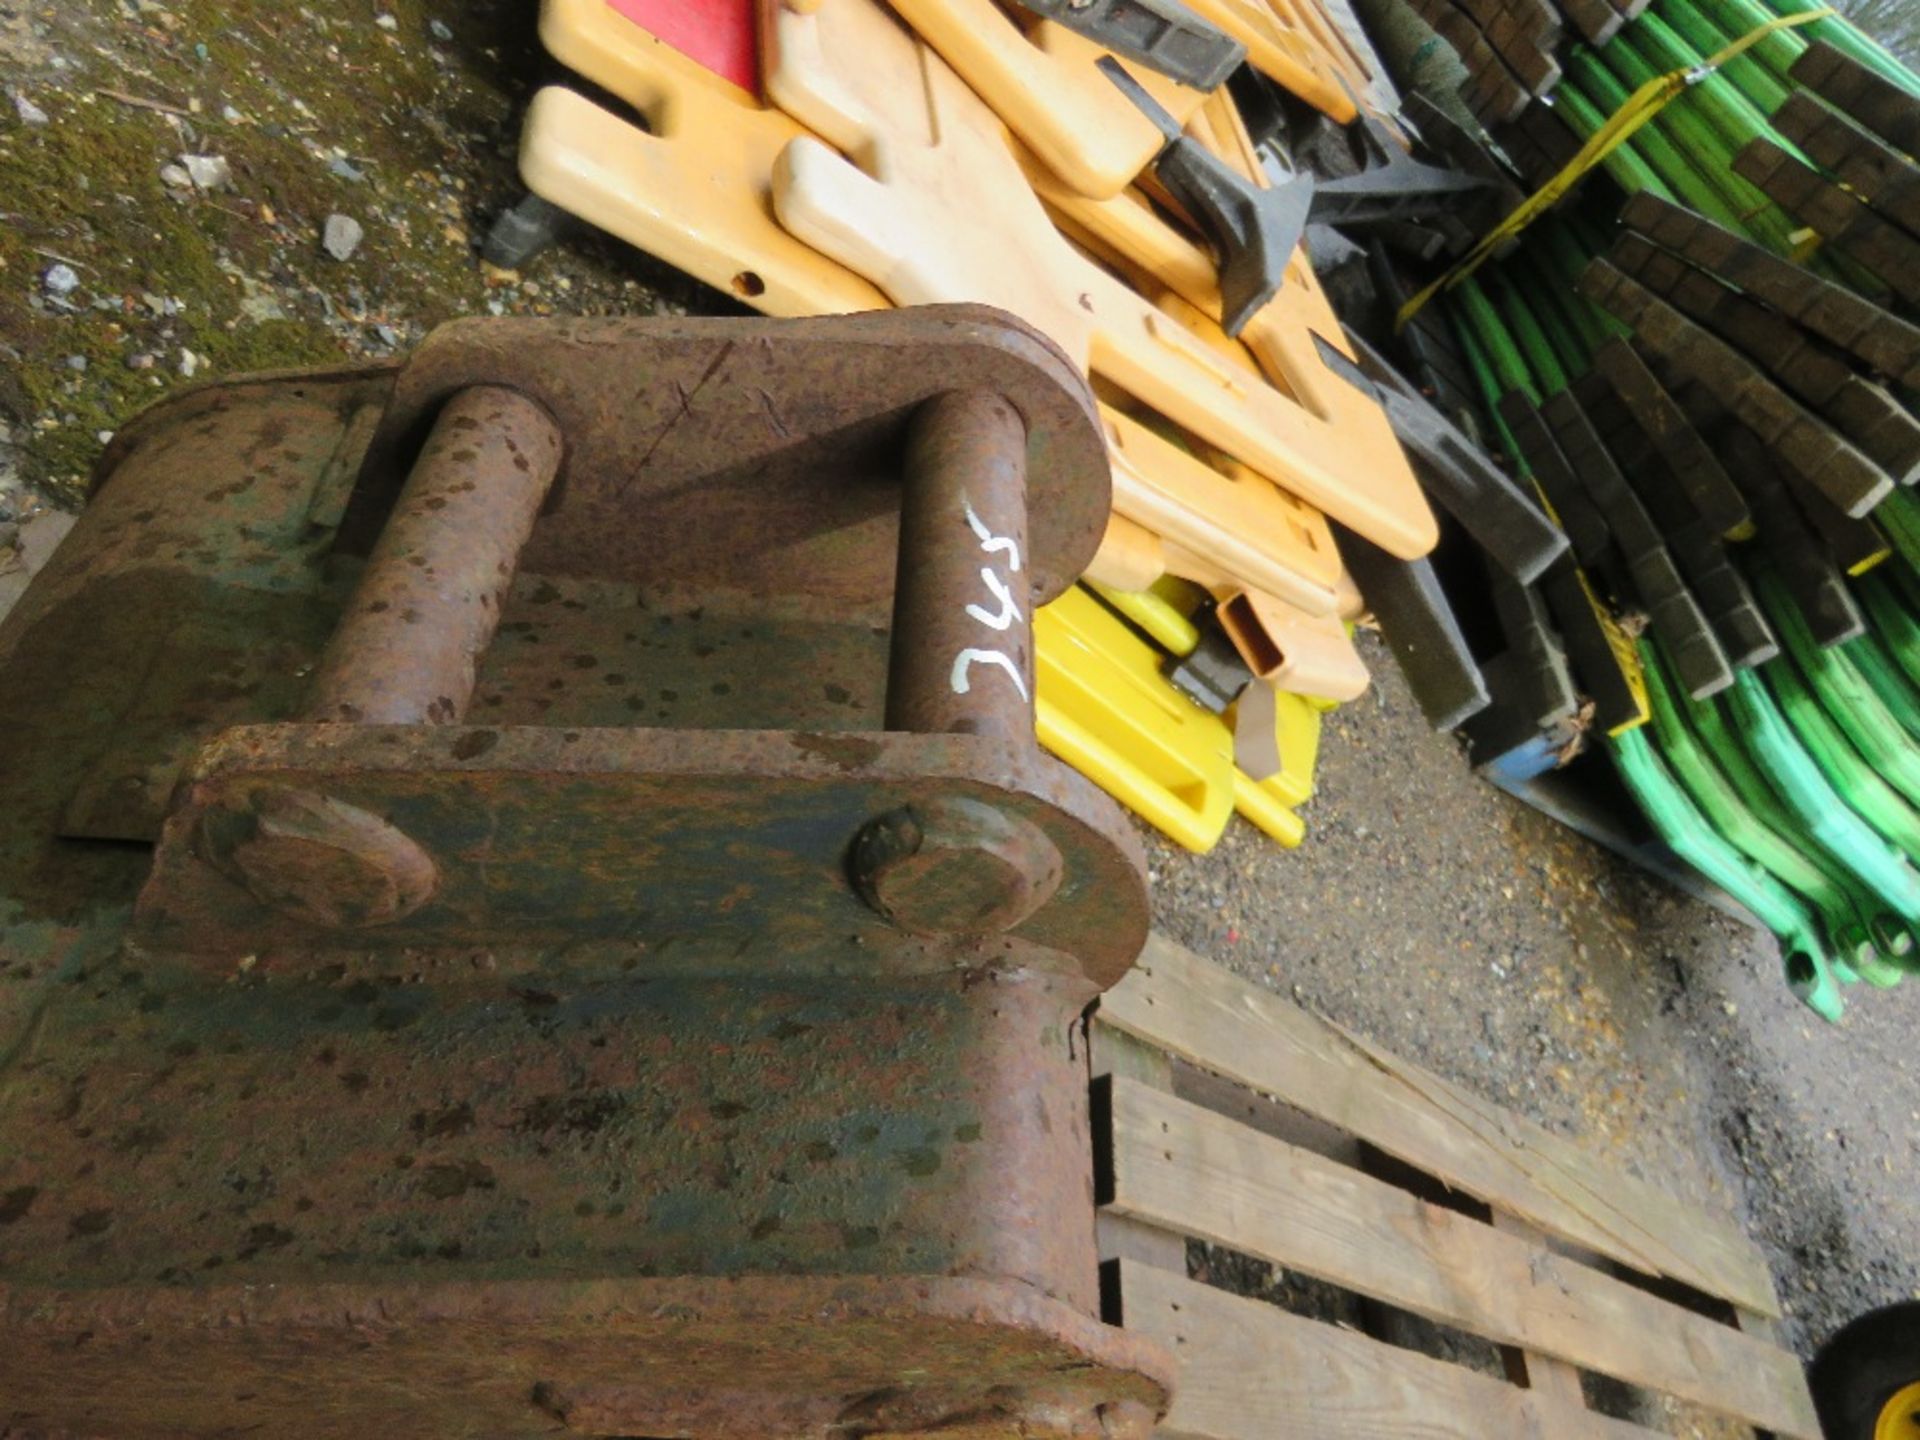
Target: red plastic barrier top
715,33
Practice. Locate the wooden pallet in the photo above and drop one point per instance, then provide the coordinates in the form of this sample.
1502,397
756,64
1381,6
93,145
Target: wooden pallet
1558,1262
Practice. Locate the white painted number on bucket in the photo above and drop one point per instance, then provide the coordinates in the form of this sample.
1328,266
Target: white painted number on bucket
1009,611
991,544
966,659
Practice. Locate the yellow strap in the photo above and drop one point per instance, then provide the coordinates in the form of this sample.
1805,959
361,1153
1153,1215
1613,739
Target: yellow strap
1640,107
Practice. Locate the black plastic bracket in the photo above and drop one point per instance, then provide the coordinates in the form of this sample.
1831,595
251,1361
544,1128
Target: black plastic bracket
1253,228
1163,35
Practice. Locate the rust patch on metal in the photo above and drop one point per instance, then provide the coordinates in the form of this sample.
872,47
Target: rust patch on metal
662,1020
324,862
428,604
671,417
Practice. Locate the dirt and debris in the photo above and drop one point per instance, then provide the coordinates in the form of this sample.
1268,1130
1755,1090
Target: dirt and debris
341,236
341,165
260,186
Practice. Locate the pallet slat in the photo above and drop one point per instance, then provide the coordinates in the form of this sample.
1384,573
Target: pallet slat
1119,1236
1251,1371
1556,1380
1185,1168
1197,1011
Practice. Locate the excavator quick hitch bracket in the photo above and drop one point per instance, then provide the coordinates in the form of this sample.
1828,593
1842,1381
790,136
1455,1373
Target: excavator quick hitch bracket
530,900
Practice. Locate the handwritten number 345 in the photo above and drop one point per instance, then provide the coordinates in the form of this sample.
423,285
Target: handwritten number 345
1008,612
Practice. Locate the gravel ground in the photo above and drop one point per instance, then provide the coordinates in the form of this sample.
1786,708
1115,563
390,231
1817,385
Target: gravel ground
1464,930
1426,909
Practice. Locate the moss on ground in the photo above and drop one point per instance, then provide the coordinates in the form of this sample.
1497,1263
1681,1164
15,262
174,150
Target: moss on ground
299,103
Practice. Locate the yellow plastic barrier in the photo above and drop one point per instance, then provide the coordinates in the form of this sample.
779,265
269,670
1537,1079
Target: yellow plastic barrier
694,189
1162,615
1333,40
1269,804
941,212
1048,88
1222,512
1130,557
1284,49
1260,807
1101,705
1161,261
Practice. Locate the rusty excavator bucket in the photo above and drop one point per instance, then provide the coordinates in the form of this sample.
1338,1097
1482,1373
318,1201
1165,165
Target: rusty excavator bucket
530,902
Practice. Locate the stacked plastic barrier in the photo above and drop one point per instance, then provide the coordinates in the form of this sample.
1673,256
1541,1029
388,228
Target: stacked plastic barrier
849,154
1705,362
